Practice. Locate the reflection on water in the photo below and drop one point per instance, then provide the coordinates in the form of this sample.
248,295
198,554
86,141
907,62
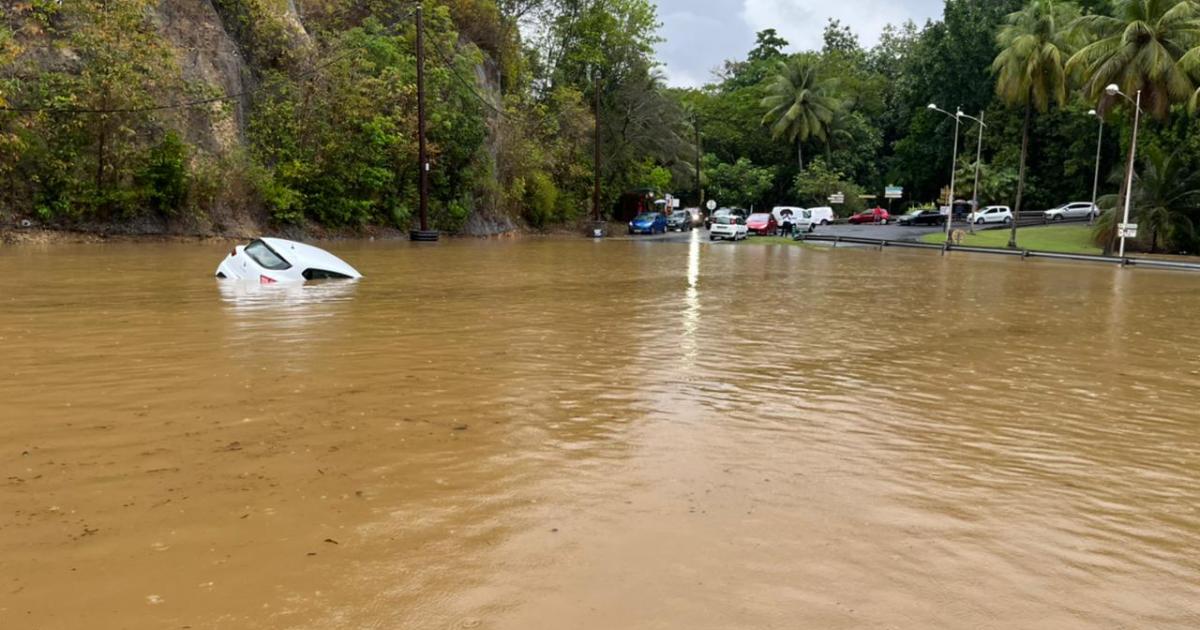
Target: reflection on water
289,297
578,434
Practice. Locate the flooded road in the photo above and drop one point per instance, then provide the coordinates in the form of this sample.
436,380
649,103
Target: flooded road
568,434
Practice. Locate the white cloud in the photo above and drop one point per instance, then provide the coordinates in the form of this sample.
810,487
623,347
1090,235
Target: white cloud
801,22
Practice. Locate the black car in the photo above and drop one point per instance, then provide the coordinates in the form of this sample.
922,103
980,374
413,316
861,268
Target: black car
680,221
924,217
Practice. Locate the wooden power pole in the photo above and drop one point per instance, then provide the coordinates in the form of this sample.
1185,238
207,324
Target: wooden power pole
424,234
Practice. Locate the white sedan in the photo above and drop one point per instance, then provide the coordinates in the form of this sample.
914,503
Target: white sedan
991,214
271,260
1075,210
728,226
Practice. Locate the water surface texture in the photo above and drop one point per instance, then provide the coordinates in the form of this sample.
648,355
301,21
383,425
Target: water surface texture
568,434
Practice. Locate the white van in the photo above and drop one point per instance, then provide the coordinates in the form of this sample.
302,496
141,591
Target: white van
802,219
822,215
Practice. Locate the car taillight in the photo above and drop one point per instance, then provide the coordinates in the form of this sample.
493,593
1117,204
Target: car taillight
233,252
266,280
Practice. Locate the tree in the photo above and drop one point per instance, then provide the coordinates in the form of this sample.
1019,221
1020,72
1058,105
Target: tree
1166,195
800,105
1146,45
768,46
738,184
1031,69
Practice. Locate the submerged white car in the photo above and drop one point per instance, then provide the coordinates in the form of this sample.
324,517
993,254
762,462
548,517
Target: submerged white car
270,260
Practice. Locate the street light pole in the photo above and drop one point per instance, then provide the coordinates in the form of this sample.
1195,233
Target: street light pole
978,159
1096,180
1114,90
953,166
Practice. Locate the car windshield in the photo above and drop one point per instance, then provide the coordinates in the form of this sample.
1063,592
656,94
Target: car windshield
724,220
645,217
679,215
265,256
760,217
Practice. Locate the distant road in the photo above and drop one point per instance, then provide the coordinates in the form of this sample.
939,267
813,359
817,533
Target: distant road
891,232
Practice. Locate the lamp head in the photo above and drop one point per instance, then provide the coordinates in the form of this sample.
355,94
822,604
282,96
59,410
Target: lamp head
932,106
1113,89
1092,112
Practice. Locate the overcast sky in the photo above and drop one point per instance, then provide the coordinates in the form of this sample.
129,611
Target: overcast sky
701,34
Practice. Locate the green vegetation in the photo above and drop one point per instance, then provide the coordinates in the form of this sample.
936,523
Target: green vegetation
103,119
1068,239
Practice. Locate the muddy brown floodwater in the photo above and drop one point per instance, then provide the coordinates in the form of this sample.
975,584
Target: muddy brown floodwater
565,434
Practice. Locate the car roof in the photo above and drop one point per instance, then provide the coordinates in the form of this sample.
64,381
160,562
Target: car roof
307,256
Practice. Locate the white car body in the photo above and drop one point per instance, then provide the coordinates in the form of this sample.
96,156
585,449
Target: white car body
728,229
1073,210
802,219
991,214
271,260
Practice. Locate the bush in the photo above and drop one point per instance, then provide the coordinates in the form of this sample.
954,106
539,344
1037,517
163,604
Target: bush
164,176
541,199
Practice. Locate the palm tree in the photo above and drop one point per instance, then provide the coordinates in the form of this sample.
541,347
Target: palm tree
1165,192
799,103
1031,69
1146,45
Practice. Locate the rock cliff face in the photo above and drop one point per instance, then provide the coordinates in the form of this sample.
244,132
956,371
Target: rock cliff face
206,52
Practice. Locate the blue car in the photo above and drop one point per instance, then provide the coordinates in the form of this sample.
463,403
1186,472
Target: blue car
649,223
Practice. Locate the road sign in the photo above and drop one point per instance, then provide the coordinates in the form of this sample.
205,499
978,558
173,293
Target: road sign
894,192
1127,230
837,198
711,205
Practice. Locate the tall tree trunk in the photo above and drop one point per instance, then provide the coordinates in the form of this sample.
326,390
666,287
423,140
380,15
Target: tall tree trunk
829,153
800,153
1012,237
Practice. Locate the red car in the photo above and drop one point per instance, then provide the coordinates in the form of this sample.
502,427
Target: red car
762,224
878,215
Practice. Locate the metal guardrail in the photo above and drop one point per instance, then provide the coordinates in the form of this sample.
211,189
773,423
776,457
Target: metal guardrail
1023,253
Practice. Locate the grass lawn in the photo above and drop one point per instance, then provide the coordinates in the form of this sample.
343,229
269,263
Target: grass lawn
1067,239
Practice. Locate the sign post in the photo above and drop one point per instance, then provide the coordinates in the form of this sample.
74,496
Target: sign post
893,192
1127,230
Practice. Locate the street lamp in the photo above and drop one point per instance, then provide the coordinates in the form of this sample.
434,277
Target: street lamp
953,164
1096,180
978,157
1114,90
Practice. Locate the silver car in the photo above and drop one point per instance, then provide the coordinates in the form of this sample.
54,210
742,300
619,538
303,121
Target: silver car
1073,210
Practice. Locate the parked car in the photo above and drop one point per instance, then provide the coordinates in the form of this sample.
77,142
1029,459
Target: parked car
875,215
923,217
728,226
271,260
648,223
991,214
679,221
762,224
821,215
1073,210
720,212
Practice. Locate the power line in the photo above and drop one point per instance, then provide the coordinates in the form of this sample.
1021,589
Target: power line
450,65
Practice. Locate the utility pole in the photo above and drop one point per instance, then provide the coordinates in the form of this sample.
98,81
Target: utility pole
699,153
596,148
424,234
